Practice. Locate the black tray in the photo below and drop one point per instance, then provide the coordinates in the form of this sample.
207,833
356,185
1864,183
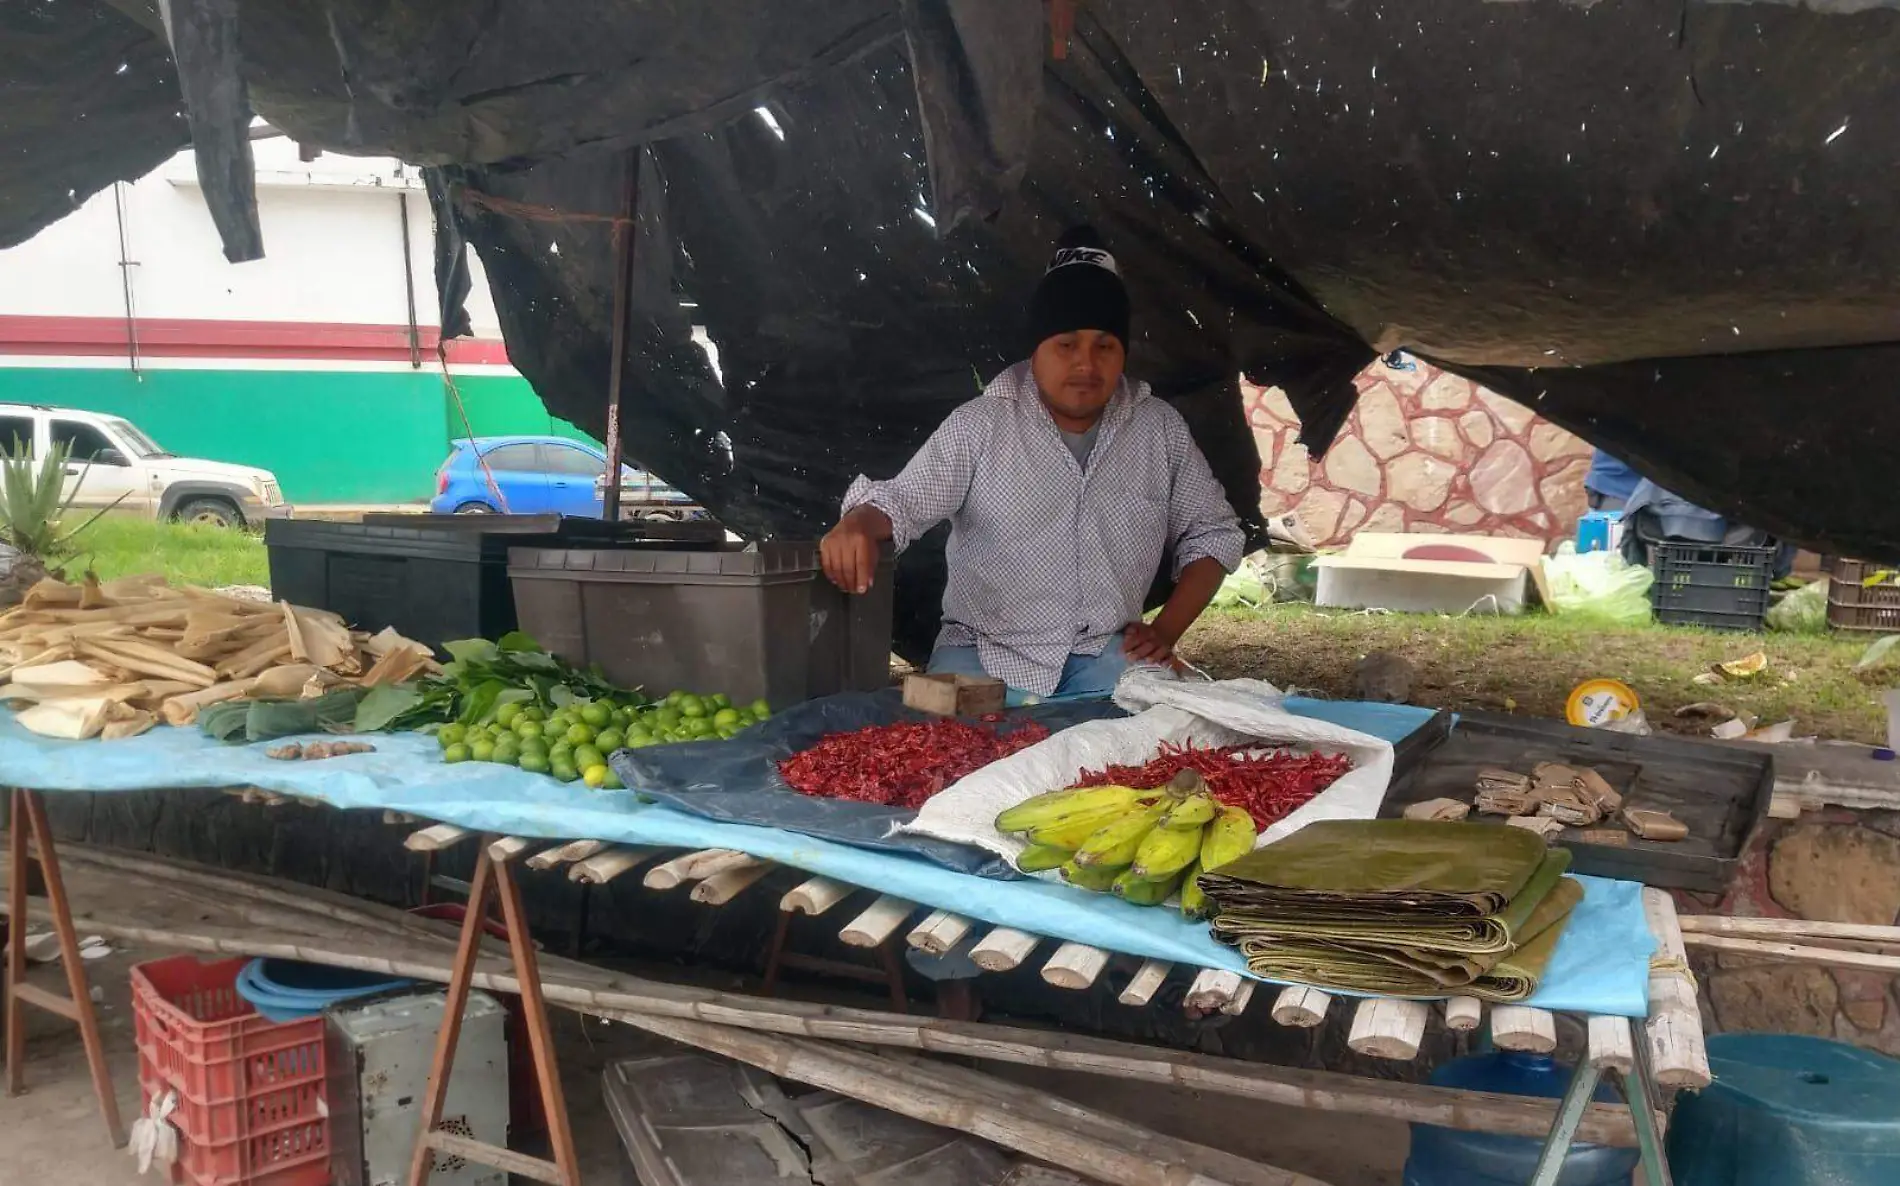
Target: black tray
1720,793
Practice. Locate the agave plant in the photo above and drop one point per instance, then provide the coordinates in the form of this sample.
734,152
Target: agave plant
33,507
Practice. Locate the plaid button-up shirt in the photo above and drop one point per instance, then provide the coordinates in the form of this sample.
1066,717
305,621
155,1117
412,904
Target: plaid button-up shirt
1048,559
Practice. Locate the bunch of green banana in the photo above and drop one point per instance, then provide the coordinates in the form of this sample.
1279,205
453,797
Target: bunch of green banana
1142,846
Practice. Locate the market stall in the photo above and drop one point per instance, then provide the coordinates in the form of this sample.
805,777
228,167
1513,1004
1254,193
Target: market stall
938,868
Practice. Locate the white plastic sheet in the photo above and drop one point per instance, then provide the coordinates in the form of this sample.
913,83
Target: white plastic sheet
1221,713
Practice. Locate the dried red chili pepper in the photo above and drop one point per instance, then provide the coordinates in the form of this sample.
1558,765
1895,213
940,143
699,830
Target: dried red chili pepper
1268,785
903,764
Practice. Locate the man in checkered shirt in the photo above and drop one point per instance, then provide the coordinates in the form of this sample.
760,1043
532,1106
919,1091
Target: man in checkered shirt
1066,485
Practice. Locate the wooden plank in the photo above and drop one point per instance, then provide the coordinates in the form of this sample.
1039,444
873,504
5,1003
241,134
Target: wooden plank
436,838
1463,1014
1788,929
395,817
1383,1027
877,923
509,847
1517,1027
1074,966
52,1002
494,1156
1003,949
815,896
939,932
726,884
573,850
1678,1052
1212,990
1799,953
692,866
1147,981
1610,1047
1301,1007
604,867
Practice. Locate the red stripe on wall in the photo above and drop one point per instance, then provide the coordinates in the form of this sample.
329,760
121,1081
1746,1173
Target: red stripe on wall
181,337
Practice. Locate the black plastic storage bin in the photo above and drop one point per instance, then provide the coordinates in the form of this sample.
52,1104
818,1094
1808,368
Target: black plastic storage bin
1712,585
432,584
749,621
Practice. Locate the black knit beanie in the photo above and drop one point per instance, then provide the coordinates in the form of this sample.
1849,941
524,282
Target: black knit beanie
1081,290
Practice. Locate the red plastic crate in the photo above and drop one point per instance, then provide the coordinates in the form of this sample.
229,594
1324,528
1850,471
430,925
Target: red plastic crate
251,1109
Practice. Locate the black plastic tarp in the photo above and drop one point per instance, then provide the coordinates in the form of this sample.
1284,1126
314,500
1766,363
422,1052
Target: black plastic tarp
737,781
1667,227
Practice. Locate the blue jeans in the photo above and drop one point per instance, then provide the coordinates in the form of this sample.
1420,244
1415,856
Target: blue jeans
1084,677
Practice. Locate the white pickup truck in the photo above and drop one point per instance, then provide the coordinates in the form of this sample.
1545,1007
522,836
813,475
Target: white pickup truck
111,462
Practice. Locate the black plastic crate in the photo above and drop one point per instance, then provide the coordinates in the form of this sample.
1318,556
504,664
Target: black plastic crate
432,585
1711,585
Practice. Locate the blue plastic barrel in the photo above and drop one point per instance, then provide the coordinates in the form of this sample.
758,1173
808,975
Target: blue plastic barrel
288,990
1448,1157
1787,1110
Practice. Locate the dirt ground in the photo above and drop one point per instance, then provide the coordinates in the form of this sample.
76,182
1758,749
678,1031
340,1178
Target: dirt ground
52,1136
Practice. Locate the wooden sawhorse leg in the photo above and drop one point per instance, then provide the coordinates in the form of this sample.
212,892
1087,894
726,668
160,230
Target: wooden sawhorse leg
493,874
77,1008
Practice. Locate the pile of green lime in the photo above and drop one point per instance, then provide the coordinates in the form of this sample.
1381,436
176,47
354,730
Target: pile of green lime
573,743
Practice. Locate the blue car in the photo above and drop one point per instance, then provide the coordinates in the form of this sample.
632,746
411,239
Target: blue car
534,475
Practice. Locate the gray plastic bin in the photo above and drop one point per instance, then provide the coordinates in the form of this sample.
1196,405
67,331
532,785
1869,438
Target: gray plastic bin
747,621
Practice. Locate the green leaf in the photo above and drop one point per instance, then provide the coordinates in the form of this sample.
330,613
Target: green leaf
385,704
1876,651
472,651
530,661
562,696
480,703
517,641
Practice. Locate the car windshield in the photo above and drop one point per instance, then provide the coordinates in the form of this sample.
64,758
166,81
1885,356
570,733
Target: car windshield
135,437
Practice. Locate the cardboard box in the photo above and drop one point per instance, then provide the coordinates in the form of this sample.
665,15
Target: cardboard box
1417,572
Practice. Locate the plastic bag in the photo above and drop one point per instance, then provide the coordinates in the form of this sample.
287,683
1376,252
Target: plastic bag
1242,588
1599,586
1803,611
1227,712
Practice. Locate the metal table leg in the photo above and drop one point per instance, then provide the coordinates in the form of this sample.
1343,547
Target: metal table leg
1639,1089
1577,1097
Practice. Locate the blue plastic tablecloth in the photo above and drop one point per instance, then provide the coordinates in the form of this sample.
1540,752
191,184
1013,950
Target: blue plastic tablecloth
1600,966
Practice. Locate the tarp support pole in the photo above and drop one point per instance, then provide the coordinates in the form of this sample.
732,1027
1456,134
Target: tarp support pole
624,229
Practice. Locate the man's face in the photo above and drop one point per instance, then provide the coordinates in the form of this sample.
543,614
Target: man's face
1078,372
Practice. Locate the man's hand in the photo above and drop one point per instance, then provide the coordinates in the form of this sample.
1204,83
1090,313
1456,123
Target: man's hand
849,550
1143,643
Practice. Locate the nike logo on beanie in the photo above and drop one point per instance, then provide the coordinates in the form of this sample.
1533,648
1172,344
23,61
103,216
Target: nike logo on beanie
1083,255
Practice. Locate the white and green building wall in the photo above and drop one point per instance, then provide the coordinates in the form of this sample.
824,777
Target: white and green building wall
318,362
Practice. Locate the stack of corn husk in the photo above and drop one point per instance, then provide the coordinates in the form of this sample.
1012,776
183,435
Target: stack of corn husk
1404,908
111,659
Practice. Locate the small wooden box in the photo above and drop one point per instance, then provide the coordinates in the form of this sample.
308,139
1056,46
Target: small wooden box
947,695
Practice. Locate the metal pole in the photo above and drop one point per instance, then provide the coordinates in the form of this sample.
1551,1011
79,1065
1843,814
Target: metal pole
1639,1089
1583,1086
409,282
623,283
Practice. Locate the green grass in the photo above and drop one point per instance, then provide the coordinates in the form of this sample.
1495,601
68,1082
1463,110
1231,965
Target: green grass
184,553
1529,665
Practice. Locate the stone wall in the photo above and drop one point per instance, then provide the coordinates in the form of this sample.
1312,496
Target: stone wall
1832,865
1423,451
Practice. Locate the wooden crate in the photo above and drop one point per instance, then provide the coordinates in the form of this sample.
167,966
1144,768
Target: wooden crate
947,695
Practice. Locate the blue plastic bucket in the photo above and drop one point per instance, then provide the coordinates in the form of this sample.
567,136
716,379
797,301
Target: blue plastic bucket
289,990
